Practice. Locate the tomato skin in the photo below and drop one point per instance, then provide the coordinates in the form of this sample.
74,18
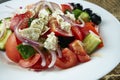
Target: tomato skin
68,59
29,62
37,66
19,17
83,59
66,7
55,27
85,31
88,26
77,47
11,50
100,45
77,33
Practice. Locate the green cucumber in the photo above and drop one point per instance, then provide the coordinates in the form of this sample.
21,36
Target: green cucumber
77,12
85,16
91,42
4,40
6,33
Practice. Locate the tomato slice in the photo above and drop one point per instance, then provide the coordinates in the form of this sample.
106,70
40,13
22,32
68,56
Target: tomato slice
11,50
78,49
19,17
29,62
88,26
77,33
68,59
37,66
55,27
66,7
83,59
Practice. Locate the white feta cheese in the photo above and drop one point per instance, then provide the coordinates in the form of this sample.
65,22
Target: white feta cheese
71,16
44,15
57,14
59,19
39,23
65,26
30,33
51,42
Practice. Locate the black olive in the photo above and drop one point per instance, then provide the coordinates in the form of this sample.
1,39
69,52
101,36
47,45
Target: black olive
65,41
72,4
88,10
96,19
78,6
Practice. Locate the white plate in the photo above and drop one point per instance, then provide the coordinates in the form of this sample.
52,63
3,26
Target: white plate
107,58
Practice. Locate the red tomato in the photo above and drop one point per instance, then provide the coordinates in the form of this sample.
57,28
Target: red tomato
83,59
55,27
78,49
85,30
29,62
88,26
11,50
77,33
19,17
38,66
100,45
66,7
68,59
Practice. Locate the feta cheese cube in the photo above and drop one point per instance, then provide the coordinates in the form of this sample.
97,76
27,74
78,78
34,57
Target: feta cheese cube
44,15
39,23
70,15
51,42
30,33
65,26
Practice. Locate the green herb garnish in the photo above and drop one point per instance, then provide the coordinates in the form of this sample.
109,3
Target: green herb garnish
26,51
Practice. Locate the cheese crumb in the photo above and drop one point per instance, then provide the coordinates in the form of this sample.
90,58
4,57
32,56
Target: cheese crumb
30,33
71,16
51,42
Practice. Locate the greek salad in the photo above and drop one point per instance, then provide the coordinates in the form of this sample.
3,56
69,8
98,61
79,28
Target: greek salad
45,35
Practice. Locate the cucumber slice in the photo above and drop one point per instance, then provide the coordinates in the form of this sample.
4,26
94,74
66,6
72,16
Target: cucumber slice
85,16
6,33
91,42
7,20
77,12
3,41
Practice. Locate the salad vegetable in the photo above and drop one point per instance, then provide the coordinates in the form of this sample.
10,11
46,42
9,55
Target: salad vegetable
48,35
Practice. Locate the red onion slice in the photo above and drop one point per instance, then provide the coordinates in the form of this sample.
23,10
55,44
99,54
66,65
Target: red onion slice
71,21
59,52
45,4
23,39
43,63
54,57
